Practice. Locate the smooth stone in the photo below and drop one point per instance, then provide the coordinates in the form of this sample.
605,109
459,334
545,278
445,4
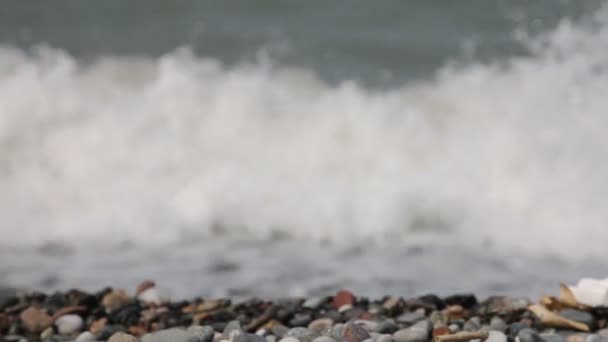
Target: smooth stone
279,330
314,303
454,328
370,325
515,328
122,337
289,339
46,333
552,337
386,327
204,333
410,317
343,297
335,332
323,339
320,325
578,316
412,334
355,332
108,330
232,329
424,324
173,334
300,320
69,324
88,336
496,336
270,338
529,335
255,338
385,338
303,334
498,324
575,338
472,324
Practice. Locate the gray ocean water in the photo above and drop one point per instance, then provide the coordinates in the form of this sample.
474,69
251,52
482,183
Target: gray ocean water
297,147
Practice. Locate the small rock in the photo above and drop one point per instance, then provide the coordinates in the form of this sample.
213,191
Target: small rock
354,332
173,334
321,324
370,325
69,324
578,316
454,328
343,297
203,333
335,332
300,320
570,338
88,336
46,333
115,299
97,325
602,332
472,324
496,336
35,320
345,308
554,338
303,334
529,335
393,305
412,334
498,324
314,303
270,338
515,328
593,338
232,329
122,337
386,327
323,339
410,317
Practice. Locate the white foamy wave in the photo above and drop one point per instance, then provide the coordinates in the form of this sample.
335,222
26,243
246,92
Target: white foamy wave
161,150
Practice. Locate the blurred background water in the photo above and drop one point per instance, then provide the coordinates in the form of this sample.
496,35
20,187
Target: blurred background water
292,148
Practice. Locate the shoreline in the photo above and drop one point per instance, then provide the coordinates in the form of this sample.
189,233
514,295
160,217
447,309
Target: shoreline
115,315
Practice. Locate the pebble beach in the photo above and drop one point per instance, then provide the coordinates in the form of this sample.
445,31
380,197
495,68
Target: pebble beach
116,315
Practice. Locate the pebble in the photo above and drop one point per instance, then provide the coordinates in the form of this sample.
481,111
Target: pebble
320,325
343,297
386,327
496,336
303,334
69,324
551,337
35,320
204,333
89,336
578,316
300,320
289,339
410,317
314,303
412,334
472,324
232,329
385,338
173,334
354,332
593,338
122,337
454,328
370,325
529,335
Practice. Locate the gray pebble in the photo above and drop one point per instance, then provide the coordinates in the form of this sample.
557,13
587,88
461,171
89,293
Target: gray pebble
85,337
410,317
529,335
303,334
498,324
593,338
385,338
553,337
412,334
270,338
314,303
289,339
578,316
320,325
472,324
386,327
454,328
204,333
232,329
120,337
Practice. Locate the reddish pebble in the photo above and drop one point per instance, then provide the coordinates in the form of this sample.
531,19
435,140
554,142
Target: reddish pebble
343,297
35,320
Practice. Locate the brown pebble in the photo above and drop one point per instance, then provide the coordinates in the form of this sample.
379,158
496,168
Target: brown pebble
98,325
441,331
354,332
35,320
343,297
122,337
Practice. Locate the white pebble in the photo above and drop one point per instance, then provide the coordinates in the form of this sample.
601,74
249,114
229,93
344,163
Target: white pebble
68,324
